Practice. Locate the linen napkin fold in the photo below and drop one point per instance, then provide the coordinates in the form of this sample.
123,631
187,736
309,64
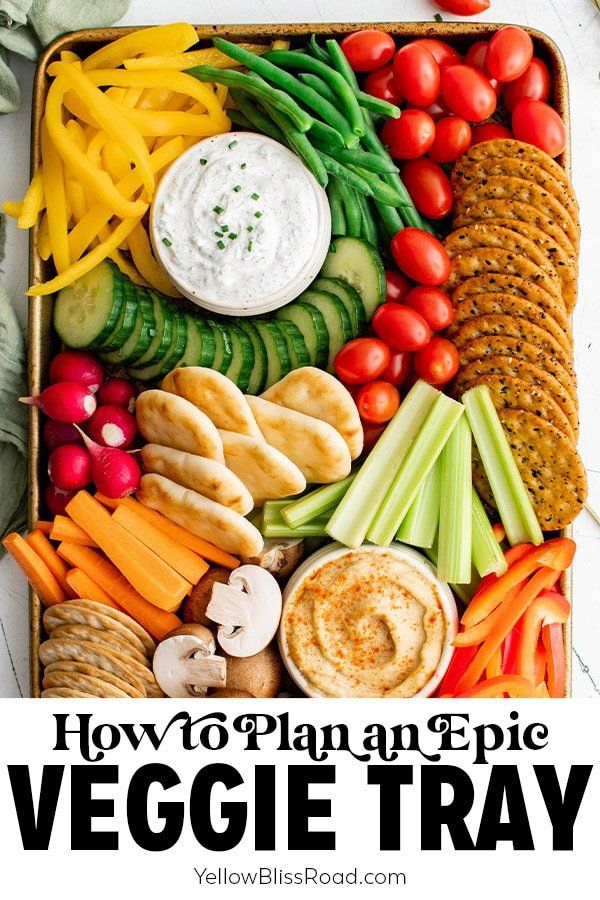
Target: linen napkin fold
13,420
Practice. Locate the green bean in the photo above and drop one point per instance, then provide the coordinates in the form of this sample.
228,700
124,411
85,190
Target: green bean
342,172
258,88
340,63
378,106
368,226
238,118
282,79
381,190
370,161
300,145
317,83
351,208
315,49
390,218
255,116
350,105
327,135
338,219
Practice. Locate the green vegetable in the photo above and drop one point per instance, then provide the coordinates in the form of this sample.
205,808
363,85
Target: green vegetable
486,552
300,144
368,227
273,525
315,49
419,528
351,208
319,85
318,502
255,116
335,168
338,219
369,161
381,191
456,507
510,494
238,118
390,217
464,592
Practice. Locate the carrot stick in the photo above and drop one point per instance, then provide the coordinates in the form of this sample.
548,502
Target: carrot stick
109,502
180,558
143,569
35,570
156,621
65,529
86,589
40,544
44,527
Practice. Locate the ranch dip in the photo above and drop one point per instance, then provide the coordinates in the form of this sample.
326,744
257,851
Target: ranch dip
237,219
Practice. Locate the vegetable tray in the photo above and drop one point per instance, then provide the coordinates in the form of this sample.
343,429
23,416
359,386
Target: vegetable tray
41,337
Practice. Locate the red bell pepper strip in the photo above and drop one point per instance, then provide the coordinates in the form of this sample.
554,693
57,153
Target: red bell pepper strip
548,608
458,664
513,685
478,633
554,641
509,649
540,663
494,666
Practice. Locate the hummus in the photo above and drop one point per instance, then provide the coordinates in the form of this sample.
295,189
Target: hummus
367,623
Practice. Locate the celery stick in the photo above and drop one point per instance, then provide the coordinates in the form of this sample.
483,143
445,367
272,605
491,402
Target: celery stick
420,524
464,592
351,520
425,449
510,494
456,507
274,525
324,499
486,552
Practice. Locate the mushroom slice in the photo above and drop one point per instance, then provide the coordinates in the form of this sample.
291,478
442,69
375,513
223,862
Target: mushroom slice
247,610
280,556
185,664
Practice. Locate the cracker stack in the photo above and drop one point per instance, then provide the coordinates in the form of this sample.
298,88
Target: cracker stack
514,252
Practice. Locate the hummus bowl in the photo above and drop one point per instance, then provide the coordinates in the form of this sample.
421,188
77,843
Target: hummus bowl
373,622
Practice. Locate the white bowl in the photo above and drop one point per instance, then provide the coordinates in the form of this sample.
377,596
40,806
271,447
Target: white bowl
335,551
310,267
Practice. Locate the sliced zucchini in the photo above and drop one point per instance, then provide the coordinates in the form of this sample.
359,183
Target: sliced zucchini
349,297
223,348
143,332
163,319
172,356
295,343
312,326
357,262
87,311
278,357
258,376
242,360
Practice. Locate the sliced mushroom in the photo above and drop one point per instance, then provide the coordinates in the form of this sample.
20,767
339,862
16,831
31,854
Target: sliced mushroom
247,610
194,608
259,675
280,556
185,664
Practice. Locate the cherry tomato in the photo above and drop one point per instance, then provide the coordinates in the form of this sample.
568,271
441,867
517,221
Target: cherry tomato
380,83
443,53
369,49
509,53
401,327
437,363
361,360
533,84
416,74
371,434
397,286
398,369
409,136
433,304
476,56
464,7
421,256
452,138
489,131
468,93
537,123
429,187
377,402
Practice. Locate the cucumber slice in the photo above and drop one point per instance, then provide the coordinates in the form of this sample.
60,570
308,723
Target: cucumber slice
358,263
207,352
242,360
278,358
127,316
223,348
193,344
349,297
258,376
295,343
337,320
161,341
143,332
312,326
87,311
171,357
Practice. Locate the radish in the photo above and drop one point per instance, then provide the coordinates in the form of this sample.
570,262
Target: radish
58,433
56,500
115,472
78,366
112,426
117,392
66,401
70,467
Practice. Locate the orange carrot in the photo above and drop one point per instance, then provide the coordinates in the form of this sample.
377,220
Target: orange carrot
35,570
86,589
40,544
103,573
143,569
109,502
44,527
180,558
65,529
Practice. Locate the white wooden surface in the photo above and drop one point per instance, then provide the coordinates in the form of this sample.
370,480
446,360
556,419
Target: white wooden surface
575,26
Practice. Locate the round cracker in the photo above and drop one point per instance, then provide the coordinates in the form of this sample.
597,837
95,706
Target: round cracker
73,613
493,260
520,287
98,687
101,616
109,639
63,693
55,649
71,666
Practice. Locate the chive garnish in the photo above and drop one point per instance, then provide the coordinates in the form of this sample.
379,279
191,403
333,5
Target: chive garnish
242,165
249,246
257,214
438,17
203,162
250,228
237,188
220,245
218,210
232,235
218,233
224,227
232,145
255,196
167,242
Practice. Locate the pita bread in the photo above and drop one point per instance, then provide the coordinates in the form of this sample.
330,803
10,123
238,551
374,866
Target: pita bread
221,526
209,477
316,393
266,473
215,395
319,451
173,421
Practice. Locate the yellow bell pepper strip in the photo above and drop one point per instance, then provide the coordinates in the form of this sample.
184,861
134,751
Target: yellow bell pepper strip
107,115
69,56
176,82
116,94
56,203
33,201
13,208
549,608
146,264
553,639
513,685
209,56
115,161
167,39
86,263
127,269
77,133
92,178
132,96
77,198
43,239
154,98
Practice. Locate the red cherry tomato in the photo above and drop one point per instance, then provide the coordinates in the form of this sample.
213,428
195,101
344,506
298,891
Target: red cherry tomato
371,434
438,362
409,136
361,360
377,402
438,109
401,327
468,93
464,7
534,84
421,256
380,83
475,57
452,138
433,304
443,53
416,74
398,369
397,286
429,187
489,131
369,49
537,123
509,53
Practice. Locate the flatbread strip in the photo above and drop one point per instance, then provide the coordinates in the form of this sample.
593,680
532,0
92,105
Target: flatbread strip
215,395
513,284
492,260
172,421
266,472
